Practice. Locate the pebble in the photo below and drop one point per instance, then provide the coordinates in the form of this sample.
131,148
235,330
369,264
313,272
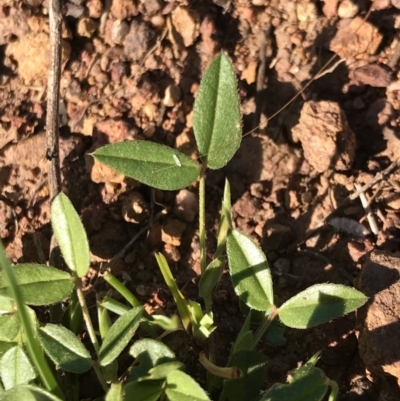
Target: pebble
138,40
86,27
95,8
74,10
119,31
347,9
172,95
122,9
172,231
186,24
186,205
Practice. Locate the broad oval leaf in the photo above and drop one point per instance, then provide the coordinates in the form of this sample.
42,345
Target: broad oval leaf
65,349
38,284
7,305
249,271
70,235
16,368
181,387
307,384
216,115
319,304
9,327
27,392
143,391
150,163
119,335
115,393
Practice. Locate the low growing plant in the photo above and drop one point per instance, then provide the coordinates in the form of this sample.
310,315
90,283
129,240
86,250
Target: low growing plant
33,354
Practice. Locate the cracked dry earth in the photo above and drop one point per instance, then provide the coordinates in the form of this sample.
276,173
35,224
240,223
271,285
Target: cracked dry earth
132,70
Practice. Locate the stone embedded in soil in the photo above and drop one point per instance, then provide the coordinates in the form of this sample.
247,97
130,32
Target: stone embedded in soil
31,53
185,24
139,39
325,136
135,208
356,40
276,236
12,22
378,321
347,9
172,231
122,9
186,205
86,27
95,8
376,75
330,8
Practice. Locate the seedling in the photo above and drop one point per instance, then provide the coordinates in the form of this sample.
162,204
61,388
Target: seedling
155,373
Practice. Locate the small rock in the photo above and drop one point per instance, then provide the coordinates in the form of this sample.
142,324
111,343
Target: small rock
6,220
33,3
276,236
347,9
111,131
122,9
378,319
396,3
186,205
74,10
138,40
376,75
249,74
245,206
31,54
172,95
171,232
330,8
356,40
381,4
100,173
95,8
152,7
325,136
306,12
119,31
172,253
186,25
86,27
135,209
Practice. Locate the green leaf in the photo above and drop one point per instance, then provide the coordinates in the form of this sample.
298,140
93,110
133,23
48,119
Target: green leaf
210,278
119,335
39,284
16,368
65,349
143,391
5,346
70,235
150,163
27,393
319,304
163,370
9,327
165,322
244,339
308,383
225,222
249,271
181,387
216,115
115,393
6,304
248,386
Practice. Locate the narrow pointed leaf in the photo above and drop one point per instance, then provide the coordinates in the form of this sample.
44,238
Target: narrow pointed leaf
319,304
150,163
16,368
39,284
210,278
225,222
119,335
216,118
27,392
70,234
249,271
181,387
65,349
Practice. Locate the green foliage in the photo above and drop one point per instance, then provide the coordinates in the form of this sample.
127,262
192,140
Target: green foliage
155,372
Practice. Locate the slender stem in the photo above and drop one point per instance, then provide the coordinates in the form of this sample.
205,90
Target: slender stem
118,286
86,315
100,376
334,390
264,326
202,220
30,338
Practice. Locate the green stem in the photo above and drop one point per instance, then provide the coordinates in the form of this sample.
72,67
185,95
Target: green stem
118,286
100,376
202,220
258,335
34,349
334,390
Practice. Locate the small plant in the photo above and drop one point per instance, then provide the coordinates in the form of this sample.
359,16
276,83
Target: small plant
155,373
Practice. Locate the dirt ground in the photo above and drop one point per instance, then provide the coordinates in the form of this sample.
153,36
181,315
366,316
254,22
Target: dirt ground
131,70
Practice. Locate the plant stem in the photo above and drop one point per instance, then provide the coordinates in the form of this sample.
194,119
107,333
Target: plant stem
100,376
86,315
264,325
30,338
202,220
334,390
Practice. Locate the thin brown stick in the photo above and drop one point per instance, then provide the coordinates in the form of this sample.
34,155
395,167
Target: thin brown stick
53,85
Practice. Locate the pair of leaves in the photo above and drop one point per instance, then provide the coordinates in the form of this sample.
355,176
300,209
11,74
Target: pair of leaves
252,281
217,129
